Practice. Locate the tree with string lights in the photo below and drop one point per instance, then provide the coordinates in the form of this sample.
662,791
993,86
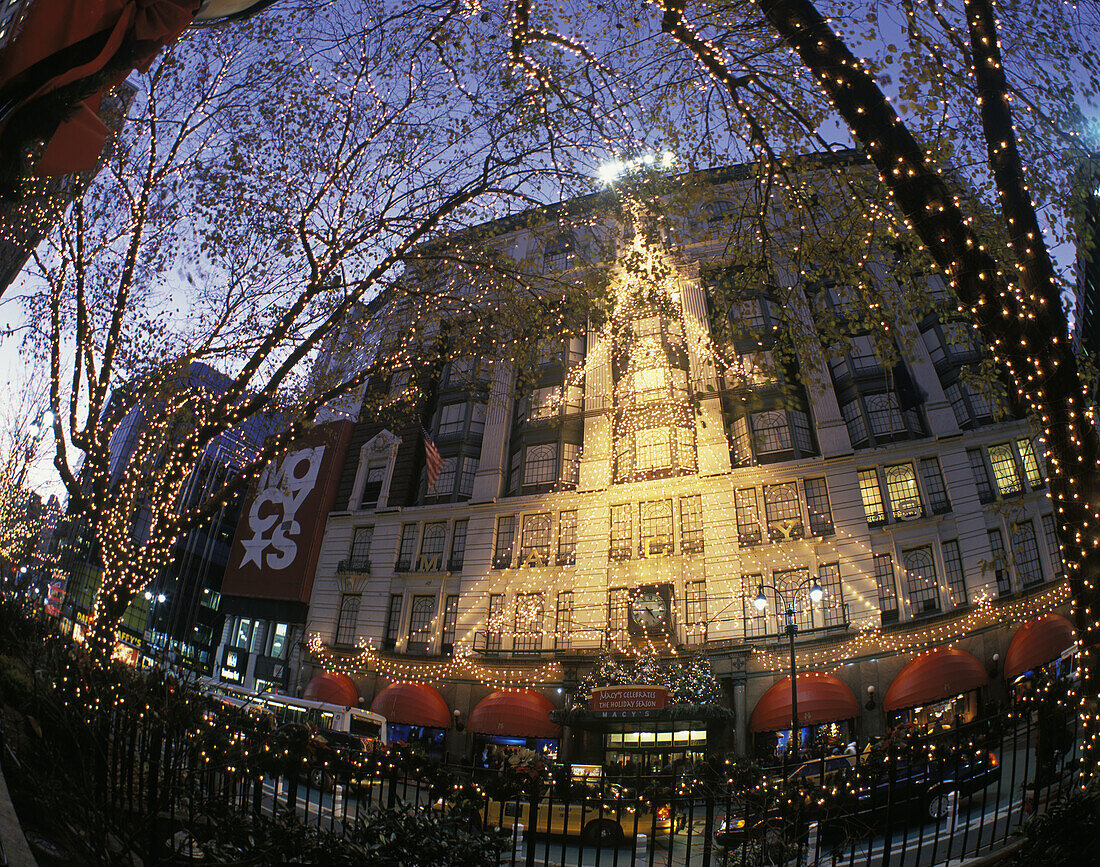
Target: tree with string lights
259,196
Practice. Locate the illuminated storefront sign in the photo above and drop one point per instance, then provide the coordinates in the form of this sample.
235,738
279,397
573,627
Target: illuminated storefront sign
627,700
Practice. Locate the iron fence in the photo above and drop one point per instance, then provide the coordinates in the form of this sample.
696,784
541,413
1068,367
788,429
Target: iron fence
835,810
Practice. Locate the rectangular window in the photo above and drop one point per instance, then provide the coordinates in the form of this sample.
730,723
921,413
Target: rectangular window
1031,465
466,478
901,486
372,488
543,403
1050,532
887,595
450,623
1005,471
1000,562
534,546
458,545
278,645
432,544
953,566
527,635
348,620
407,549
399,382
817,503
871,493
959,406
393,622
359,559
853,419
506,536
981,475
784,511
619,549
934,488
478,412
567,538
452,420
494,623
513,472
244,633
618,599
920,578
570,464
832,603
756,622
695,611
741,442
803,436
655,527
564,628
420,624
748,516
691,524
1025,554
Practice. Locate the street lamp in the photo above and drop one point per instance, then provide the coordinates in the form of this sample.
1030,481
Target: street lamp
761,602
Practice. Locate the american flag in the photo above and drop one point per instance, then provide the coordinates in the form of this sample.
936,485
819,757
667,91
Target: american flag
432,458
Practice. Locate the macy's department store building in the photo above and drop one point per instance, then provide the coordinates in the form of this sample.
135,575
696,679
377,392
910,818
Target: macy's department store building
633,500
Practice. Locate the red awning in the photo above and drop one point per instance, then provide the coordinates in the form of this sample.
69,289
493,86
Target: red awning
412,704
333,687
1038,642
521,713
822,698
933,676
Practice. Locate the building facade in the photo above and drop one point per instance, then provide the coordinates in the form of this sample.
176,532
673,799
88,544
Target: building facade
636,488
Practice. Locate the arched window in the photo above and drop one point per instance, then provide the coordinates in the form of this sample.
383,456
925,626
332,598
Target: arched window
348,620
420,622
920,576
773,434
715,212
540,464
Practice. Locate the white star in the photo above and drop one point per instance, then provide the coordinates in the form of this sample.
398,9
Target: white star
254,550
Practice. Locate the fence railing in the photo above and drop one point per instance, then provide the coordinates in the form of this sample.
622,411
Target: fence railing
904,809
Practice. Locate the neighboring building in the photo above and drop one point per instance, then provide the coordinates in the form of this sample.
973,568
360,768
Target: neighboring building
176,619
637,490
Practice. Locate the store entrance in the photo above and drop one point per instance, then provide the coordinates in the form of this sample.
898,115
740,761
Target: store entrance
630,751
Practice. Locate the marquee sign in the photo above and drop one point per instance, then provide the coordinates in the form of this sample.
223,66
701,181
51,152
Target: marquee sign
627,700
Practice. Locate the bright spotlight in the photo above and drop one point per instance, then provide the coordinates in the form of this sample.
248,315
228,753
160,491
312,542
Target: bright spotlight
610,171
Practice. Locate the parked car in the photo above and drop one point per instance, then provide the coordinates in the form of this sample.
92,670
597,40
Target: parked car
601,816
868,790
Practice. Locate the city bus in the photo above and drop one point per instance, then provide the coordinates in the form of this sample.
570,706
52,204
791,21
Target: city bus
320,715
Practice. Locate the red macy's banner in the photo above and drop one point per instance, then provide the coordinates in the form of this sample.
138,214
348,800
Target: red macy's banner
621,699
278,539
